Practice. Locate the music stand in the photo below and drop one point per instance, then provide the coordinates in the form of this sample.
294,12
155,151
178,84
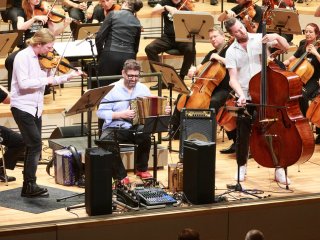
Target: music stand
284,21
83,30
152,125
172,80
8,41
190,26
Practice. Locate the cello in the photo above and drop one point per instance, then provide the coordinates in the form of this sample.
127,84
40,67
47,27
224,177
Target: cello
280,136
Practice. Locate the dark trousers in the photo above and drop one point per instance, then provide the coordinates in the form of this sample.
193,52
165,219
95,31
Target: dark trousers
30,128
15,149
132,135
111,63
165,43
12,15
9,66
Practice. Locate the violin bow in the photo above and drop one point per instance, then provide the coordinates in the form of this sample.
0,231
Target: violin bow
51,7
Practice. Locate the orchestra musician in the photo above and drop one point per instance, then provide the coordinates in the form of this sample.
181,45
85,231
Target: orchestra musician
248,12
220,93
30,23
167,40
102,9
118,117
309,45
12,13
118,39
13,142
243,62
27,90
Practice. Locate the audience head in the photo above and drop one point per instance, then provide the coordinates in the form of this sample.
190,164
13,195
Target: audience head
189,234
254,234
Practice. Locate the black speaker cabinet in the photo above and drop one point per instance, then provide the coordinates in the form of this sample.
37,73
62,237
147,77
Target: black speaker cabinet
98,181
197,124
199,171
68,132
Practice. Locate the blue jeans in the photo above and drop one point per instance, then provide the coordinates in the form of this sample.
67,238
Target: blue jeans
15,148
30,128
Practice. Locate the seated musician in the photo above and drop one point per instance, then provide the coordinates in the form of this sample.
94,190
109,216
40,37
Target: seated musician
12,141
12,13
220,93
167,40
309,45
29,22
102,9
248,12
118,124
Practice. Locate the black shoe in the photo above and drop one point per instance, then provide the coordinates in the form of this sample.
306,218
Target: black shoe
231,149
300,1
317,141
32,190
9,178
214,2
155,87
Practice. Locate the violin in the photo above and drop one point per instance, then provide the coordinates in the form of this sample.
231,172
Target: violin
248,10
185,5
51,60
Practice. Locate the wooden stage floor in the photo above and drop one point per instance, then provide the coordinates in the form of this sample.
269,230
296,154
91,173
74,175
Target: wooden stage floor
305,178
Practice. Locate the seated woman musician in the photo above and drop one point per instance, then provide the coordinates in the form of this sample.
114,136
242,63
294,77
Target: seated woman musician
248,12
11,14
310,46
102,9
33,18
118,117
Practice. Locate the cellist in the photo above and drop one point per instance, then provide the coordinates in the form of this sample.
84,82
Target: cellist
221,92
311,88
243,61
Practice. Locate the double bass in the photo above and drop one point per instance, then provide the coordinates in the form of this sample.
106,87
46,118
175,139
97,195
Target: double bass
280,136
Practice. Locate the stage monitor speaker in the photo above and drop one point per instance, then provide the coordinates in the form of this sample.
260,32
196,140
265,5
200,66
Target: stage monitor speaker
98,181
197,124
68,132
199,171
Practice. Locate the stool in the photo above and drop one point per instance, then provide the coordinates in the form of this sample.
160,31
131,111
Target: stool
3,166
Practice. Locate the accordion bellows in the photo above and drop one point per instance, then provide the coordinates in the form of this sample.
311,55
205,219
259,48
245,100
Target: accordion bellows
147,107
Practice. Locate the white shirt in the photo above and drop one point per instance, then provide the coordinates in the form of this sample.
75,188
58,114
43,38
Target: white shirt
29,81
247,63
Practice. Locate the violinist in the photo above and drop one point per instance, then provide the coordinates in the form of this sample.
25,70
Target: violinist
102,9
167,40
309,45
243,62
27,90
248,12
30,23
220,93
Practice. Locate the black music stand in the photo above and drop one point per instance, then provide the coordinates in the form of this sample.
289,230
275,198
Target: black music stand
8,41
172,80
190,26
152,125
239,112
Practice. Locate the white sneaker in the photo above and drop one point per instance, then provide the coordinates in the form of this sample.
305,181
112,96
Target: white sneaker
242,175
280,176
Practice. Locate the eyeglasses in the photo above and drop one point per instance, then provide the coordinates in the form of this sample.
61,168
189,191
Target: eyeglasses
131,76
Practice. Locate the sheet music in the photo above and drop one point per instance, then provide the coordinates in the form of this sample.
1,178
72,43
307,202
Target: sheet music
78,48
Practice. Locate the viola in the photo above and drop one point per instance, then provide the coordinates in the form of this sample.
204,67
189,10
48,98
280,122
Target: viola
51,60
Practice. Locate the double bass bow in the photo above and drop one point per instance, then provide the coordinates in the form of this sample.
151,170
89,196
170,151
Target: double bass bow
280,136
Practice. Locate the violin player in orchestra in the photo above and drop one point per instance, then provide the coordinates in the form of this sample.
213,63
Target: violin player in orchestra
248,12
11,14
220,93
27,90
102,9
118,39
243,61
33,18
167,41
13,142
311,46
118,117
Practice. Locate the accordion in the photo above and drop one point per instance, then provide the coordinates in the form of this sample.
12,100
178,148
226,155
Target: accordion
147,107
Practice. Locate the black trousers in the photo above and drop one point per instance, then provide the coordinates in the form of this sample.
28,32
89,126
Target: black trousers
132,135
15,148
166,43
